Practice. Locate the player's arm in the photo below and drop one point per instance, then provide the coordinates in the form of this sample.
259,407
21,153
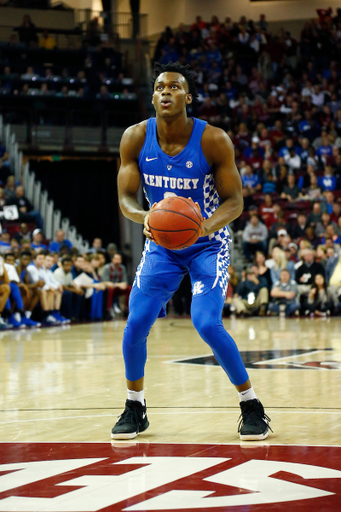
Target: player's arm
219,153
129,177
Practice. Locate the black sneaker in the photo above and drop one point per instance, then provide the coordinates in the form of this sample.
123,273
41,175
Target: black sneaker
132,421
254,423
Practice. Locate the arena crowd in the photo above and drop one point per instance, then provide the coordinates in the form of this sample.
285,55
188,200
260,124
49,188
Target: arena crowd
279,99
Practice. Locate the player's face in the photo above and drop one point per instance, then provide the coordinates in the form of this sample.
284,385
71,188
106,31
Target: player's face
170,95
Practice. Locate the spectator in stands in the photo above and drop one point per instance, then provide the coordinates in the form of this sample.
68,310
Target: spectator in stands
251,184
72,295
291,192
34,297
59,242
321,227
15,305
103,93
54,289
252,294
279,228
36,276
37,241
263,270
114,276
27,32
25,208
315,217
5,291
9,190
284,295
46,41
96,245
5,242
305,274
320,300
255,237
78,266
280,263
23,233
90,267
299,229
328,181
266,211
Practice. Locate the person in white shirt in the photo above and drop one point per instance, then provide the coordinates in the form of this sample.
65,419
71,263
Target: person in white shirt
19,318
56,290
37,272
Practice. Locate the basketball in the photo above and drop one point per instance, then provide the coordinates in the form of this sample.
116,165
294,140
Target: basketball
175,223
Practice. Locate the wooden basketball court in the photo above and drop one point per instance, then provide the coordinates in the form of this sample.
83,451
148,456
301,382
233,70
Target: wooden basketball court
66,385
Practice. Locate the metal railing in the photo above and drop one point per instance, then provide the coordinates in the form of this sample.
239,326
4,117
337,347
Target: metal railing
52,218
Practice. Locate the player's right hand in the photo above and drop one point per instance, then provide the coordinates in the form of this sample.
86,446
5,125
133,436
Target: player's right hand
146,230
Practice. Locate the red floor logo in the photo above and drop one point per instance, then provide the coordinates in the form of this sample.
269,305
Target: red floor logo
142,477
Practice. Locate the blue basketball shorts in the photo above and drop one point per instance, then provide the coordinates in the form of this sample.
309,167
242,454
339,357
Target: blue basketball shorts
160,271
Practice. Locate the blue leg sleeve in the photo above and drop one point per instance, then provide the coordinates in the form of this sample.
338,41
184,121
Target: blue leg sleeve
207,319
16,295
143,311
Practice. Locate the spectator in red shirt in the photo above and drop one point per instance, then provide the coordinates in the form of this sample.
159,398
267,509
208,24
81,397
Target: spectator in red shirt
266,211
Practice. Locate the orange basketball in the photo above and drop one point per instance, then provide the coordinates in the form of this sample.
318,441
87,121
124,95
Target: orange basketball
175,223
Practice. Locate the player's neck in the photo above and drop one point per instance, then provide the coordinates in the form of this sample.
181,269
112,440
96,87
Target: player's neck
175,129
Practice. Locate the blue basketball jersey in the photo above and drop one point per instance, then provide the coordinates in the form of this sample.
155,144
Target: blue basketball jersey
186,174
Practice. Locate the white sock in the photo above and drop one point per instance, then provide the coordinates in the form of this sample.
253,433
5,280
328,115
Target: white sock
28,314
136,396
249,394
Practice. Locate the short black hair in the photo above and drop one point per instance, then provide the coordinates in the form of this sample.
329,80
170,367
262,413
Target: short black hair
9,254
176,67
65,259
26,253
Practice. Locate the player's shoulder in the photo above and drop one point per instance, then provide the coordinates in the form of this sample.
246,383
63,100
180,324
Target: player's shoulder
133,137
215,139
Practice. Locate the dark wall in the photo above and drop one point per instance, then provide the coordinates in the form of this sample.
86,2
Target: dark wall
86,192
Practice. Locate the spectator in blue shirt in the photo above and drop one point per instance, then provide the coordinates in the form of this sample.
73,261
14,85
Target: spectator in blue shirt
37,241
251,181
285,151
5,242
60,240
328,182
326,149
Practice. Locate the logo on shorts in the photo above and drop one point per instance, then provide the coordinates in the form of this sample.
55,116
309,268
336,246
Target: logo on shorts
198,288
189,164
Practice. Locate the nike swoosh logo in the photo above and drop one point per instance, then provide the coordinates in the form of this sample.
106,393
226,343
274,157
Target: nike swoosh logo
144,415
150,159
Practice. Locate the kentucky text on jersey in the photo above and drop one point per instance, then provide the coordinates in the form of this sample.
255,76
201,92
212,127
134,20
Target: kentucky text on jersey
170,183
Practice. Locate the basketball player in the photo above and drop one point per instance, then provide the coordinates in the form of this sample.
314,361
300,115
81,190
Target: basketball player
173,154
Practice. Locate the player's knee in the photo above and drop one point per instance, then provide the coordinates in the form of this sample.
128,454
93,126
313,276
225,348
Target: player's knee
203,324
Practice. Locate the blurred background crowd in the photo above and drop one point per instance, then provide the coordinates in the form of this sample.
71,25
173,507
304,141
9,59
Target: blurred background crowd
279,99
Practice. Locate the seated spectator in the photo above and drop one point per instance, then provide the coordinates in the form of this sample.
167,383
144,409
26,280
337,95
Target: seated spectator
305,274
209,112
263,270
266,211
321,255
315,217
320,301
285,295
313,192
251,184
23,233
78,266
102,263
111,250
25,208
72,295
19,318
55,290
321,228
298,231
280,263
114,276
252,294
9,190
60,240
310,235
291,192
46,41
25,260
103,93
328,181
255,237
330,233
5,291
90,267
5,242
96,245
329,203
37,241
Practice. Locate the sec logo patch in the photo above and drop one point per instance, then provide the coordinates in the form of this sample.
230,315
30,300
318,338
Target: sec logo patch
142,477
